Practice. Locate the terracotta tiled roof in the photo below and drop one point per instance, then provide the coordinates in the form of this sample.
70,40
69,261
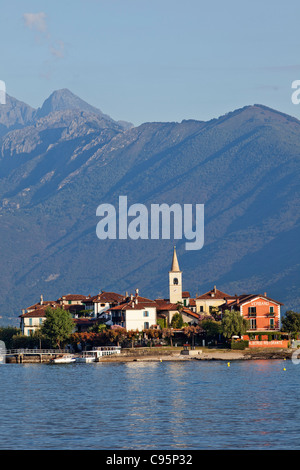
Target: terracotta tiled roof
162,301
187,311
41,312
108,297
244,298
72,307
73,297
213,294
85,321
46,303
185,294
142,303
165,305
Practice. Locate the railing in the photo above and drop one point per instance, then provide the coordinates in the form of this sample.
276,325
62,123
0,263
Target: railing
37,351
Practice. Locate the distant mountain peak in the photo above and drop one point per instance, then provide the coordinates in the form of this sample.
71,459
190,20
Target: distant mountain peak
14,114
259,112
64,99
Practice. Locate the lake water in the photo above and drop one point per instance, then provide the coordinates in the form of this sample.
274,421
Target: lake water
155,405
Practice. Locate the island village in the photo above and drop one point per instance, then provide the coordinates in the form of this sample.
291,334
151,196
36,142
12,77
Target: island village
133,312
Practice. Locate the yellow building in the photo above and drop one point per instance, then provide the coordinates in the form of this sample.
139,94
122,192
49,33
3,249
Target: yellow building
211,300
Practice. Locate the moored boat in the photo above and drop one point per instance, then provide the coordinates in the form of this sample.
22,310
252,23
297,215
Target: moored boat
63,359
87,357
96,353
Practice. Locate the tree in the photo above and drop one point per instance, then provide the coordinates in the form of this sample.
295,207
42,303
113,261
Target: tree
58,326
211,328
7,333
179,306
168,333
233,323
291,323
117,335
215,313
177,321
86,313
98,328
133,335
191,331
162,322
152,334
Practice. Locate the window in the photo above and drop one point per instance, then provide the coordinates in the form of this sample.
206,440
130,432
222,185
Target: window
271,309
146,325
175,281
146,313
252,324
41,321
251,309
30,321
272,323
201,308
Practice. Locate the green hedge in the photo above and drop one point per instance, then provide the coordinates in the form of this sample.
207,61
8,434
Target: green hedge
239,344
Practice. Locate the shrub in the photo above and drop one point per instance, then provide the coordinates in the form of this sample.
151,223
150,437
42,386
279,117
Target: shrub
239,344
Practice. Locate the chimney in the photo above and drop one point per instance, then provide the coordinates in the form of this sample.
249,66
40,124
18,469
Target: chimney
23,311
237,301
136,292
131,296
42,300
132,304
215,289
136,301
265,294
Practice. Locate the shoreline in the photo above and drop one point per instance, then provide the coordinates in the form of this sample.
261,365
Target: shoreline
149,355
207,356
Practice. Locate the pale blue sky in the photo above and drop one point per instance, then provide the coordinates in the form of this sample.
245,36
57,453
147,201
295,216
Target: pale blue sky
153,60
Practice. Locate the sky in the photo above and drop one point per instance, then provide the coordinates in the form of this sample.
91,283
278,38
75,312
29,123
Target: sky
153,60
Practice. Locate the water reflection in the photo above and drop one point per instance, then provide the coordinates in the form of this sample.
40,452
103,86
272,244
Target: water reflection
150,405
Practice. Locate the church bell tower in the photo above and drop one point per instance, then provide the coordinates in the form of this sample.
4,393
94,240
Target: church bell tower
175,281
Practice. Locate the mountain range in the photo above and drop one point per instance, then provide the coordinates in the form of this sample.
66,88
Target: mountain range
62,160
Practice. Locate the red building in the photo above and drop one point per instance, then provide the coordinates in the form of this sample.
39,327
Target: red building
262,312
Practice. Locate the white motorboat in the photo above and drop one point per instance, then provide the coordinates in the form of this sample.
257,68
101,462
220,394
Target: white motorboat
64,359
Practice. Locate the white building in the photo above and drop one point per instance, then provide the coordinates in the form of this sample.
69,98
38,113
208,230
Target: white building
101,303
136,313
32,321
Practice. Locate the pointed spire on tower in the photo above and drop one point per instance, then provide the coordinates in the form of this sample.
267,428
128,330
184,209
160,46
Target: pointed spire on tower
175,265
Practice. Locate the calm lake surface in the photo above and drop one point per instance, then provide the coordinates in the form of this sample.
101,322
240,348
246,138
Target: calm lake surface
156,405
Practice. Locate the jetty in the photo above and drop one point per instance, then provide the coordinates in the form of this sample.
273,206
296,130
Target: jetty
19,356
